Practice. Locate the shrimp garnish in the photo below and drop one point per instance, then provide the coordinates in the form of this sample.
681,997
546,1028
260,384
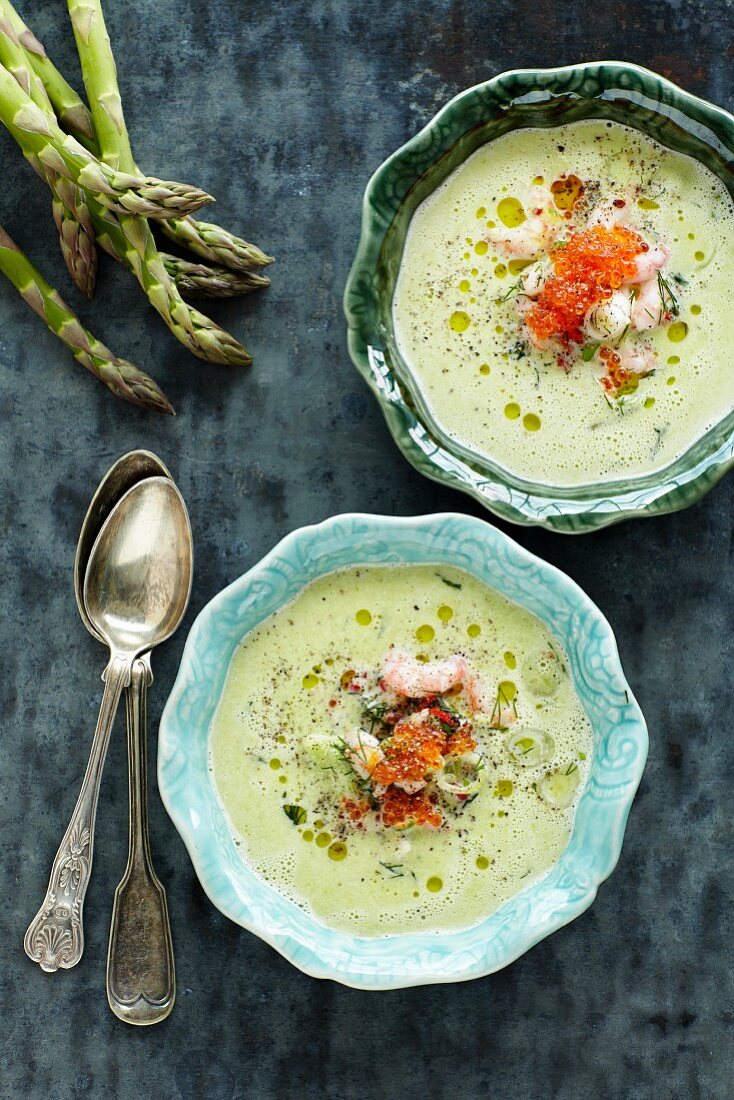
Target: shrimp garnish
647,308
529,240
638,360
609,213
414,679
648,263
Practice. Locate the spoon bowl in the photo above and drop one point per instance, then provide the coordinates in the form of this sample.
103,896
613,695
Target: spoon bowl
138,579
131,468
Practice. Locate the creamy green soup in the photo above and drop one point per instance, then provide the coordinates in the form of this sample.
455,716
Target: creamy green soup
278,761
457,325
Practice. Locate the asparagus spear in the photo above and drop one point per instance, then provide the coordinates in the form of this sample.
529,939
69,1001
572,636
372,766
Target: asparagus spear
130,238
203,281
70,211
40,137
76,234
210,242
215,244
71,112
124,379
200,335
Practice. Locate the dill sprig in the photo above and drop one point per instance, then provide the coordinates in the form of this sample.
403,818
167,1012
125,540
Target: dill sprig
459,809
622,335
393,869
668,296
499,704
343,749
659,432
451,584
373,710
363,784
512,292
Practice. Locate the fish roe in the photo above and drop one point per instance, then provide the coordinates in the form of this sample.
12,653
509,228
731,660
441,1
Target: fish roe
399,810
586,270
417,746
461,741
617,380
354,810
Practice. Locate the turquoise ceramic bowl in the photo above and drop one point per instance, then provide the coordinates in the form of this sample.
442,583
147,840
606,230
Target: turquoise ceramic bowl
402,960
525,97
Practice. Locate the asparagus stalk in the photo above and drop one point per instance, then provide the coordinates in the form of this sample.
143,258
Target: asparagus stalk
210,242
130,238
124,379
215,244
76,234
203,281
123,192
71,112
70,211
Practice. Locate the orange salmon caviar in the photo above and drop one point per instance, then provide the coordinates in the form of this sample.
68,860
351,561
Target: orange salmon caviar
416,746
618,379
586,270
355,811
460,742
400,810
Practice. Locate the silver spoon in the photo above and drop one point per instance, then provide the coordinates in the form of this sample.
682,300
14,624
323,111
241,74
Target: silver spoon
141,975
135,592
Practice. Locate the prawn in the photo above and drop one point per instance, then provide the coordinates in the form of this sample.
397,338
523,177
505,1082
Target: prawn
609,213
535,277
414,679
638,360
527,241
647,309
648,263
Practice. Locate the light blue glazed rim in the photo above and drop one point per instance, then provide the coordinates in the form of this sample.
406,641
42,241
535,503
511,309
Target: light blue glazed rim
399,961
614,90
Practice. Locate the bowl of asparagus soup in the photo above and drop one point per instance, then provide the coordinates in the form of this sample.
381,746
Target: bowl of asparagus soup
401,751
538,299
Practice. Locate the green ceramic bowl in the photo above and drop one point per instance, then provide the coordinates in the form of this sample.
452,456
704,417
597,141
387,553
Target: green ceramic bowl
525,97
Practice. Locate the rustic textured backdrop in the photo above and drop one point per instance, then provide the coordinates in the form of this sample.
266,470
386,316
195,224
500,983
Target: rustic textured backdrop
283,110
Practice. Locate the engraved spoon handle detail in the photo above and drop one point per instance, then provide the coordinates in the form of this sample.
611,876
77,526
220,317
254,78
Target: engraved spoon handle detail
55,937
141,982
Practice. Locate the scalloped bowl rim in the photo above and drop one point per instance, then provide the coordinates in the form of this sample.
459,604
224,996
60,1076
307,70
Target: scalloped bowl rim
617,500
204,844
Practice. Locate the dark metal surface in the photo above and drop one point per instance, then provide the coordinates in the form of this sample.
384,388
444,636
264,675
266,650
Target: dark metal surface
283,111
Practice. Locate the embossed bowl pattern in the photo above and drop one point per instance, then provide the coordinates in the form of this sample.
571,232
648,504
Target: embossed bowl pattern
525,97
396,961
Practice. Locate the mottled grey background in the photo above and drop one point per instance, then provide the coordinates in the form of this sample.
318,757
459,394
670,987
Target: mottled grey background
283,110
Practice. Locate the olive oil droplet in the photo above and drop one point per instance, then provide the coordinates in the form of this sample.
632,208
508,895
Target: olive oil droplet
459,321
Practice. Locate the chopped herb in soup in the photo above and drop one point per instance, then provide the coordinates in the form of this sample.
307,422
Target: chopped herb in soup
400,748
561,302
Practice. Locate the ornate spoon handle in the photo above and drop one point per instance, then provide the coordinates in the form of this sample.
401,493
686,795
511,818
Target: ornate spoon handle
55,937
141,980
